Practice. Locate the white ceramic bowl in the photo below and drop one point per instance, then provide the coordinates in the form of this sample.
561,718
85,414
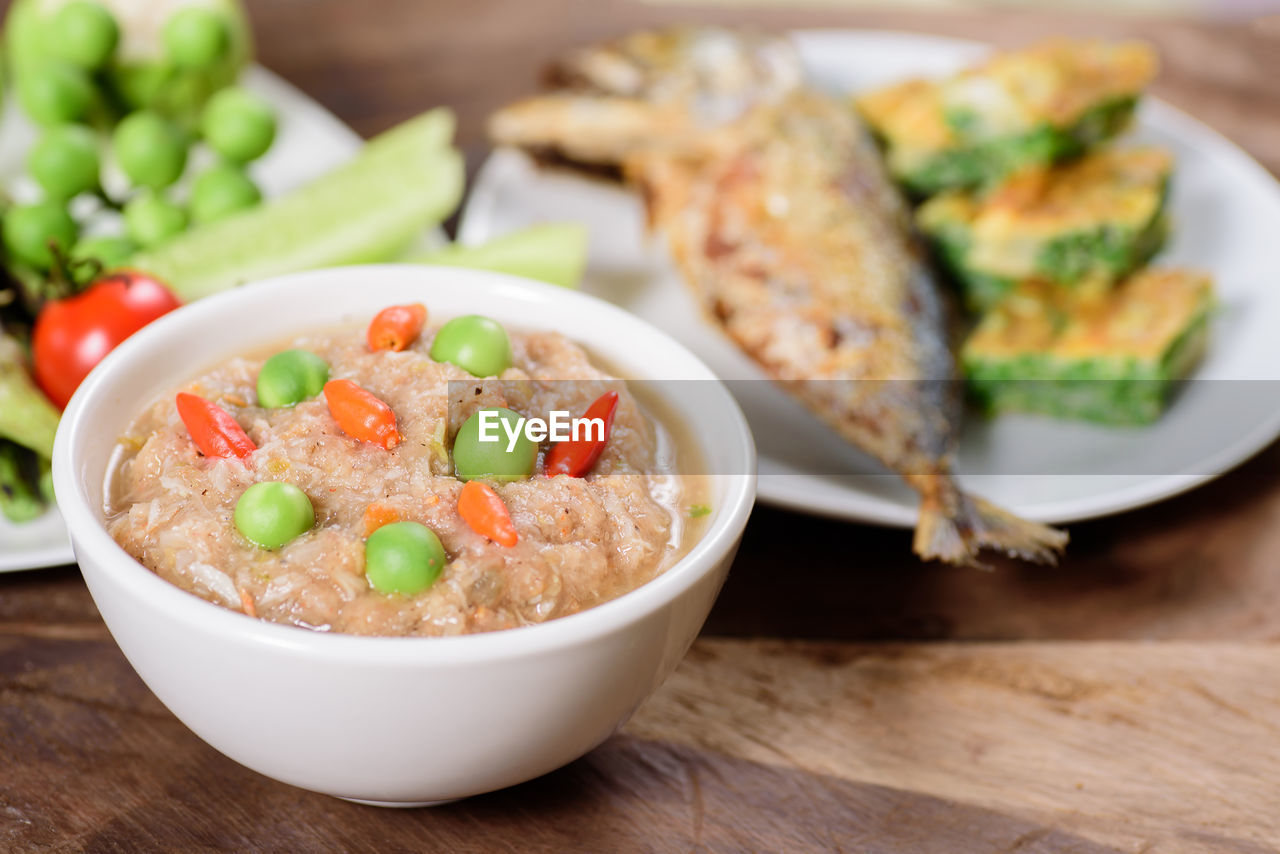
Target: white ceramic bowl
396,721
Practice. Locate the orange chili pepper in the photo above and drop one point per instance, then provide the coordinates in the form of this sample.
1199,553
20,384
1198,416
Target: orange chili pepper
246,602
575,458
212,428
482,510
397,326
361,415
376,515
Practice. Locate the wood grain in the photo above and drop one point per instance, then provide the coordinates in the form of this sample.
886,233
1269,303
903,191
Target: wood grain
751,746
377,62
1137,746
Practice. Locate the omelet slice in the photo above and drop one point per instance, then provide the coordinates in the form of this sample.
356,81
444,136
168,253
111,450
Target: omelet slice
1084,224
1039,105
1111,358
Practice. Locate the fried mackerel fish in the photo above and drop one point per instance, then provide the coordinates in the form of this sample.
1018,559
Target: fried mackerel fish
792,237
1083,224
1111,358
1039,105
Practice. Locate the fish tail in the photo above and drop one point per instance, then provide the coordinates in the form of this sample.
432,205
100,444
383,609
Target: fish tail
955,528
997,528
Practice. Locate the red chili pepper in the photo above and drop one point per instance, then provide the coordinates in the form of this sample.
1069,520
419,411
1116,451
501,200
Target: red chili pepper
361,415
482,509
396,326
576,457
212,428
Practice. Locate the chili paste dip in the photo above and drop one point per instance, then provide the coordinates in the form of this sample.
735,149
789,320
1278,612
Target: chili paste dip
339,482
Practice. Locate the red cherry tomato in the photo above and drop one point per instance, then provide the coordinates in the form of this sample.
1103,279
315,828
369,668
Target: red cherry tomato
72,335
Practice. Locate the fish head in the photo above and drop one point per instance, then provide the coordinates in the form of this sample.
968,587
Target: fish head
664,88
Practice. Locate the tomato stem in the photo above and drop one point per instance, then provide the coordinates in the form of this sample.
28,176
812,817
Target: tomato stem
61,282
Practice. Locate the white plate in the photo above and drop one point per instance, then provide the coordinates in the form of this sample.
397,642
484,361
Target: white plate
310,142
1225,207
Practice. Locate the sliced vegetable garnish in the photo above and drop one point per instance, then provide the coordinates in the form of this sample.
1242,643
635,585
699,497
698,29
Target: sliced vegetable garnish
26,416
576,457
272,514
483,511
399,184
212,428
554,252
697,511
397,326
404,558
361,415
20,501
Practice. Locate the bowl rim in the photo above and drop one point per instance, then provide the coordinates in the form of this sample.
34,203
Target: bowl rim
110,560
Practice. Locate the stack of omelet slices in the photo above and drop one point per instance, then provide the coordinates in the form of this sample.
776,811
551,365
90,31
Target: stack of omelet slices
1046,227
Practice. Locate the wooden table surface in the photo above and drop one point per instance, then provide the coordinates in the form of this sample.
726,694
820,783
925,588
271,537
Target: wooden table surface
1138,709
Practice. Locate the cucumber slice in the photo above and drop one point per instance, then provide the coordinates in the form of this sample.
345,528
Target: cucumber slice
26,415
551,252
19,499
370,209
